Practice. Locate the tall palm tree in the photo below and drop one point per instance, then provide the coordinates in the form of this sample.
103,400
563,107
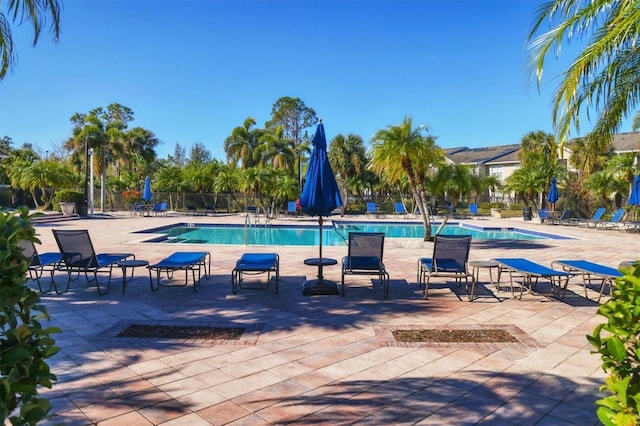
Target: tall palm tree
37,12
240,144
348,158
406,150
604,76
275,150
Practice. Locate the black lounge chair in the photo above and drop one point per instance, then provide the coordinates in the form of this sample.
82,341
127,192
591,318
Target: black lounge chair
38,264
79,256
182,261
253,264
364,257
449,260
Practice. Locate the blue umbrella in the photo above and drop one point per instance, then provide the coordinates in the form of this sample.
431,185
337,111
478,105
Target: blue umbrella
634,197
146,192
552,197
320,196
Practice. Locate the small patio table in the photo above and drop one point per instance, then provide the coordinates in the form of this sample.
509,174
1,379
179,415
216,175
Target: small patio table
134,263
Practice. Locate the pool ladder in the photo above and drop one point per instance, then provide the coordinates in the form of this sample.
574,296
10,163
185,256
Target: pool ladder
247,225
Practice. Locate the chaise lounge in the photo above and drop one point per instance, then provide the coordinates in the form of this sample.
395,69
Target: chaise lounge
182,261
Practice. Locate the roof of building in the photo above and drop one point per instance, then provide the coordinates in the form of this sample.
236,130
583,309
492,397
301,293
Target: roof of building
626,142
479,155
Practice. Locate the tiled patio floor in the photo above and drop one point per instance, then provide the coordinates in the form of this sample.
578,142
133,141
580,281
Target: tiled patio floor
318,359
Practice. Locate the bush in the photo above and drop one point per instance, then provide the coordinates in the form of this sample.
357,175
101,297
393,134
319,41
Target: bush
618,342
24,343
68,195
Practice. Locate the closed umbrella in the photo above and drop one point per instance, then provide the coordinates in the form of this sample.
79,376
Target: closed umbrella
320,196
146,192
634,197
552,197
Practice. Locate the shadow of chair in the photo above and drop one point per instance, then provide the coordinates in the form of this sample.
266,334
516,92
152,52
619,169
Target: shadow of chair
449,260
254,264
182,261
364,257
79,256
38,264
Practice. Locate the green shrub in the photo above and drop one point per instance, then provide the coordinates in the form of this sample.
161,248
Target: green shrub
618,342
24,343
67,195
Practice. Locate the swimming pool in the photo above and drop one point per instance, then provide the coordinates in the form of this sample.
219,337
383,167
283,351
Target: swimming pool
332,234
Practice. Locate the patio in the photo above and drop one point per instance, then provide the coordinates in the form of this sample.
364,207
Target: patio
326,359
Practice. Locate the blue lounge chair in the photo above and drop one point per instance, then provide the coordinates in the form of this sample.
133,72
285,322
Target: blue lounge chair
253,264
38,264
79,256
449,260
209,208
372,208
614,222
473,209
562,219
544,215
182,261
364,257
531,272
292,208
398,209
589,271
597,216
160,208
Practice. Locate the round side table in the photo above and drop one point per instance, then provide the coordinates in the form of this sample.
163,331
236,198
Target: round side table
134,263
476,265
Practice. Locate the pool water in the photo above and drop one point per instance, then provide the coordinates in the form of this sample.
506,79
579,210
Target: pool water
332,235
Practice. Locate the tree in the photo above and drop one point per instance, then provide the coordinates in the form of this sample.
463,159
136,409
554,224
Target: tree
35,11
294,117
604,76
276,151
406,150
200,155
241,144
348,158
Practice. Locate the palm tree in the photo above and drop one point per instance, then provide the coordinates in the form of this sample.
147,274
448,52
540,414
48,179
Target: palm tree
240,145
35,11
604,76
276,151
526,182
457,182
406,150
348,158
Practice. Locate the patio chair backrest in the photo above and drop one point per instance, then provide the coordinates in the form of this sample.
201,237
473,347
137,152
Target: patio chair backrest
451,253
473,208
291,207
29,251
617,216
371,207
76,248
366,248
598,214
399,208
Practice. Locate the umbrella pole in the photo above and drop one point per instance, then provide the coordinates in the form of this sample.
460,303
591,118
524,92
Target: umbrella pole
320,227
319,285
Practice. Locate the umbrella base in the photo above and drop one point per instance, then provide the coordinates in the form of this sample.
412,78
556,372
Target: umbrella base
319,287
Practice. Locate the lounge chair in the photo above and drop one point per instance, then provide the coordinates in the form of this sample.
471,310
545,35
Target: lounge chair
544,215
364,257
372,208
614,222
253,264
38,264
193,210
79,256
292,208
209,208
160,208
597,216
562,219
589,272
399,210
182,261
531,272
473,209
449,260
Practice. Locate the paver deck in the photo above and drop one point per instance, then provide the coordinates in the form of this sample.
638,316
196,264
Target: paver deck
324,359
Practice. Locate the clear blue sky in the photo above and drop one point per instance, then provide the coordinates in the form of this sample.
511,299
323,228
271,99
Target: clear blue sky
192,70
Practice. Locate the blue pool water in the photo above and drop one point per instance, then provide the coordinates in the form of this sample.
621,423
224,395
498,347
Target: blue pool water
332,234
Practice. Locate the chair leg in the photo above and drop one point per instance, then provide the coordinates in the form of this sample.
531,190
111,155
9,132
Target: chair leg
426,288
